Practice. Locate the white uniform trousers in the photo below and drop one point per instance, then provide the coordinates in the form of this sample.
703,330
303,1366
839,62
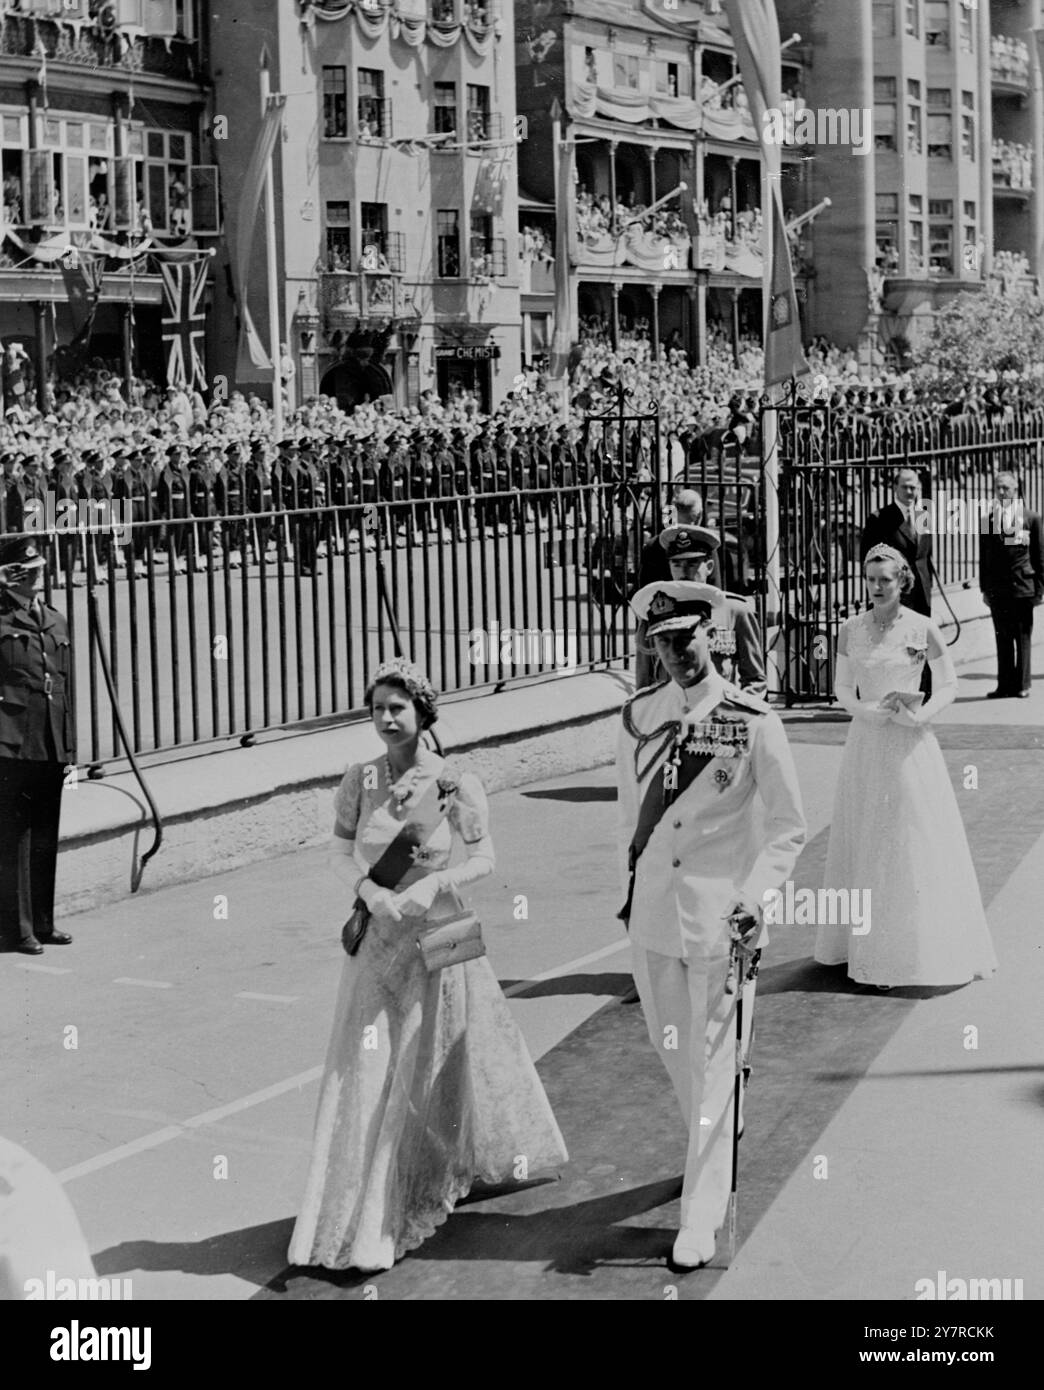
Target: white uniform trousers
692,1026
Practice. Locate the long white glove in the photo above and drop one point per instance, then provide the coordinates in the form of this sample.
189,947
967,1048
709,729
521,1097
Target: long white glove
342,862
944,692
418,898
845,692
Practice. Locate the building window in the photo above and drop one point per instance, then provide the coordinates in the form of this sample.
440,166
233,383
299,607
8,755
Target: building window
590,67
373,236
886,209
447,223
913,117
667,79
940,124
965,26
915,249
338,236
373,111
884,113
478,112
969,211
445,108
937,23
335,103
968,137
625,71
913,19
940,236
884,19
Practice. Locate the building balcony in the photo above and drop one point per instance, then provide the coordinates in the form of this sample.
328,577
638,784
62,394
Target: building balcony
1009,64
652,253
347,295
536,277
124,47
1012,169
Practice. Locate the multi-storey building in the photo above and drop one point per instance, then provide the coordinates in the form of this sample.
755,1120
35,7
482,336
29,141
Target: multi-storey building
649,99
104,148
955,176
394,186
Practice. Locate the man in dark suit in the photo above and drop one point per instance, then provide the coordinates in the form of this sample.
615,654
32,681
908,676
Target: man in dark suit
1011,577
897,525
37,742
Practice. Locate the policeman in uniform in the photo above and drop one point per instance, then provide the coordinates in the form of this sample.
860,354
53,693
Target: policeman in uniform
735,642
37,741
695,757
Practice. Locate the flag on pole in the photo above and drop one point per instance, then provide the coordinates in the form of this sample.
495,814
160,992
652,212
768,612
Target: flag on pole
82,272
184,322
755,32
250,345
562,338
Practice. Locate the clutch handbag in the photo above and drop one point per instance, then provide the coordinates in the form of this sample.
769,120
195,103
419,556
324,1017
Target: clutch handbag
451,942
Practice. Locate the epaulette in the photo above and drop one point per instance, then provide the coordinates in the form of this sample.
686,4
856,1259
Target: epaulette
743,599
732,695
645,690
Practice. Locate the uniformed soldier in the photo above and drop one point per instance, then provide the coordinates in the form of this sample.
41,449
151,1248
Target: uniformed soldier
735,642
698,854
37,741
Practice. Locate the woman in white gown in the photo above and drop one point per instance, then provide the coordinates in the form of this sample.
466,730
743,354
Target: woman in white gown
428,1085
896,829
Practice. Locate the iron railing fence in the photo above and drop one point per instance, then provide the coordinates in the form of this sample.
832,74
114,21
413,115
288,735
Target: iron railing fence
222,626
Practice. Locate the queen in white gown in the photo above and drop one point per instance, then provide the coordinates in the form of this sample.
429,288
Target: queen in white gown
428,1084
896,829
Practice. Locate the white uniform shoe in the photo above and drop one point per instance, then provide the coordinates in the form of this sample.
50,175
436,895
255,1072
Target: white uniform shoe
694,1247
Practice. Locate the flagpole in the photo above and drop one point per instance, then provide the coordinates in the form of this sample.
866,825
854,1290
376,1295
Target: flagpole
272,268
769,447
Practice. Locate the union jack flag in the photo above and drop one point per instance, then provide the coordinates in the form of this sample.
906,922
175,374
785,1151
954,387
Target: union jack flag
184,321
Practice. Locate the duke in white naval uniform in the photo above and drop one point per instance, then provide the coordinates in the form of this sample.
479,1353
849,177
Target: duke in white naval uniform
694,759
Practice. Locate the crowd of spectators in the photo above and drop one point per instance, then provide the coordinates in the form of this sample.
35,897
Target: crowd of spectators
598,216
1012,164
168,448
1009,59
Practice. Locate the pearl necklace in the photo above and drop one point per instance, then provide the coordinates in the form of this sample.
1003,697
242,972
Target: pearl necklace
402,788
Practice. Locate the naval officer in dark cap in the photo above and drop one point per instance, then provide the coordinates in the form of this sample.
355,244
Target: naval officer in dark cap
37,742
710,821
735,640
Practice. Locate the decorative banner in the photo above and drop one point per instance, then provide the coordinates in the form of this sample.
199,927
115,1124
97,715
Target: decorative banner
184,282
755,32
246,223
82,272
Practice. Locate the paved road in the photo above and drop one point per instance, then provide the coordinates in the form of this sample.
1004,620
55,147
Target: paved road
180,1121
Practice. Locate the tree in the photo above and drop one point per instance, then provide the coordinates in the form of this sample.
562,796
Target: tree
983,333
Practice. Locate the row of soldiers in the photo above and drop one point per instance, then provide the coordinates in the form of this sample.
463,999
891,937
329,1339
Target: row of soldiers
429,481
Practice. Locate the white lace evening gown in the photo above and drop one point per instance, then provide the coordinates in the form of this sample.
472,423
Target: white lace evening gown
428,1083
897,831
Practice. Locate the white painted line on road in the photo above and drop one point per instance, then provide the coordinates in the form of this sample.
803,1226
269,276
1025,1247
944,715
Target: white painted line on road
145,984
565,969
304,1078
175,1131
43,969
269,998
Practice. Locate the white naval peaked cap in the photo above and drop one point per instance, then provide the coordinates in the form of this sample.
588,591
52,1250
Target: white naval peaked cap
672,604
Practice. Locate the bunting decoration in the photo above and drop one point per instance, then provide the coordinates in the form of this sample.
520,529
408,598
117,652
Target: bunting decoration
184,322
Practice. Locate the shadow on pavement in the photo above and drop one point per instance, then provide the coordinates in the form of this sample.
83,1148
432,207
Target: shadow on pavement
606,983
252,1253
573,794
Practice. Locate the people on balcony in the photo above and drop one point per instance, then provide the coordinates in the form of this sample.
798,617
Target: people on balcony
1009,59
1012,164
